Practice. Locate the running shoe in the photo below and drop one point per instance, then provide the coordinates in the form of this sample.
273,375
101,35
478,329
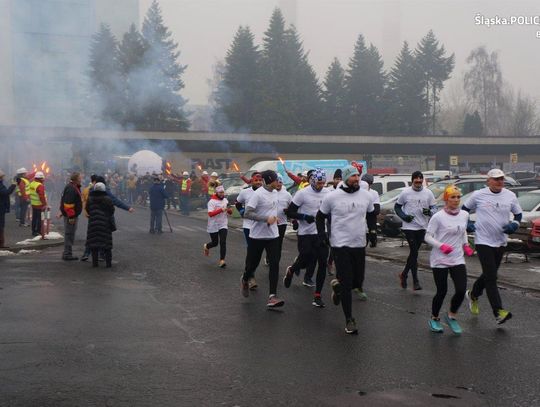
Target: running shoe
362,296
318,302
336,291
435,325
453,324
84,257
274,302
288,277
473,303
417,286
252,284
402,280
222,264
308,283
503,316
206,250
266,262
350,327
244,287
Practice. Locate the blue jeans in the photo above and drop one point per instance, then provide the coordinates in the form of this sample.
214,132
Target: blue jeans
155,219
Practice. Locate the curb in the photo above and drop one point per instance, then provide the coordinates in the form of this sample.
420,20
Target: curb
18,248
425,268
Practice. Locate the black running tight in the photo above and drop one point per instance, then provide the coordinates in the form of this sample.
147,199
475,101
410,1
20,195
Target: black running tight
220,236
459,277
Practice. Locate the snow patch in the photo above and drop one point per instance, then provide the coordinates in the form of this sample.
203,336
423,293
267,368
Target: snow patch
4,253
50,236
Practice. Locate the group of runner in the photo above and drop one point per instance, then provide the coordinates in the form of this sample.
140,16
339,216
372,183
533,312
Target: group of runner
335,222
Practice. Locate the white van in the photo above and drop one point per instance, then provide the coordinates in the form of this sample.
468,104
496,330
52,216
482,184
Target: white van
389,182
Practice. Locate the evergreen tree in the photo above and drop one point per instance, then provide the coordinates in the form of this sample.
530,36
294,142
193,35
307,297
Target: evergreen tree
162,106
238,95
131,53
472,125
333,96
365,84
105,78
406,95
436,68
304,88
275,112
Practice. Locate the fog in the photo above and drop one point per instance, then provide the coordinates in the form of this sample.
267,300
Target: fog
205,28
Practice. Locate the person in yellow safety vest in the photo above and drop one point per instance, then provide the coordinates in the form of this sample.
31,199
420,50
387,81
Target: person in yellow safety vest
22,197
38,200
185,193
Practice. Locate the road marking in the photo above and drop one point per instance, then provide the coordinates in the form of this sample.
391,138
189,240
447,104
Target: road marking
186,228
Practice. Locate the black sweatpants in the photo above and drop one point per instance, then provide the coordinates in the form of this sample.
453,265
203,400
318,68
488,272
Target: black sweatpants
415,238
221,237
254,253
349,263
36,221
459,277
490,260
311,253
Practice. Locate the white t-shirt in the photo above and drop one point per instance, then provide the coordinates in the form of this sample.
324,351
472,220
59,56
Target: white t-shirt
308,202
284,200
451,230
243,198
412,204
215,223
492,213
348,214
375,196
364,185
265,204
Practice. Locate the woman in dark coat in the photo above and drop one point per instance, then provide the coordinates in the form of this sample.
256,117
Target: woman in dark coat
100,224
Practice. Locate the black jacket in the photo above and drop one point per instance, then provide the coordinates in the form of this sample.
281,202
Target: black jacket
100,210
71,196
4,197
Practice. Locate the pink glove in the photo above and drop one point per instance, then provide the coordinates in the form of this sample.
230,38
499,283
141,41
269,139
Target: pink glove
468,250
446,249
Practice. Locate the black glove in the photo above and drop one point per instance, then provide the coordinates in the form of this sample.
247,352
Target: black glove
294,224
309,219
372,237
471,227
408,218
426,211
18,180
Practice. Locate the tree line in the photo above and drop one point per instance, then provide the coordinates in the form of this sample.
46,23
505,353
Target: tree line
271,87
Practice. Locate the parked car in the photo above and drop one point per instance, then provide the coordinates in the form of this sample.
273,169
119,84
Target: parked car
466,184
388,182
388,201
530,204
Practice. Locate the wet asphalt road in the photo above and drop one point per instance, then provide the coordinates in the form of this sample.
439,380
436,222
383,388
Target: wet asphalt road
168,328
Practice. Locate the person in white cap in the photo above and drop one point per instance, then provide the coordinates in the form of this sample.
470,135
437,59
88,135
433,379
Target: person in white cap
4,205
38,200
218,209
185,193
493,205
347,208
213,183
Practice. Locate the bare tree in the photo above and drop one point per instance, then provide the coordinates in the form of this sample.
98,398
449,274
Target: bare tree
483,83
524,120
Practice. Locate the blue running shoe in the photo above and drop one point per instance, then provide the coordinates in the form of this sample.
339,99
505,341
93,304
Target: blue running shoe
436,326
453,324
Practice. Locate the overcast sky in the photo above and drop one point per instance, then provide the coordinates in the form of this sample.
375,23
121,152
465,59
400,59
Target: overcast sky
329,28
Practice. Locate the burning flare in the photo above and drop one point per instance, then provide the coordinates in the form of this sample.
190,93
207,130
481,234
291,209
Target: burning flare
235,166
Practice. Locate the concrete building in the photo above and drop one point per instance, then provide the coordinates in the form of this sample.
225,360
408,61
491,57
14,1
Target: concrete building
44,47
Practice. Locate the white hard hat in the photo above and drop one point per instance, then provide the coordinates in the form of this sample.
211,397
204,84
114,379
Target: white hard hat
205,172
21,170
39,175
214,174
495,173
185,173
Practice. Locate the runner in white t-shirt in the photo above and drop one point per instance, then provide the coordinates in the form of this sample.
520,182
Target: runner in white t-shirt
264,235
218,210
347,208
241,201
493,206
447,234
337,179
311,251
414,206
